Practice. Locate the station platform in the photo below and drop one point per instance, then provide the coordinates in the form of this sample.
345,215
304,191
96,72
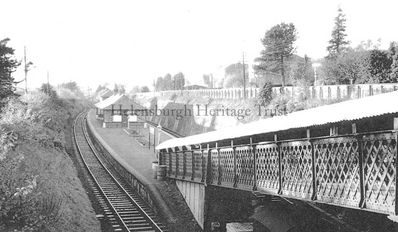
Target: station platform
138,157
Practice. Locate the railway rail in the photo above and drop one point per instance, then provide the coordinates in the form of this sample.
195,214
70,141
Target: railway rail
123,207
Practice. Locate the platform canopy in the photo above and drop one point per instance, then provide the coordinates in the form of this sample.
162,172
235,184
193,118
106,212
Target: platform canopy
115,100
350,110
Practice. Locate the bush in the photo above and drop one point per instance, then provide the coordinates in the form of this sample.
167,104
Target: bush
265,95
32,163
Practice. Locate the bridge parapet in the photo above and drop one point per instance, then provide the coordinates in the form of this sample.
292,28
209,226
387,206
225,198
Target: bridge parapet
352,170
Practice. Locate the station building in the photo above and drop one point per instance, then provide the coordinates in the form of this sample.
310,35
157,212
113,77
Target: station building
114,111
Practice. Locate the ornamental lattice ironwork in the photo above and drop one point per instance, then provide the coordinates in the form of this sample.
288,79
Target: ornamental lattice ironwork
357,170
173,166
227,167
337,171
197,156
296,169
188,165
267,167
244,167
380,157
215,174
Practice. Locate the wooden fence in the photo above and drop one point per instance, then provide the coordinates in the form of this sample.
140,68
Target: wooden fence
320,92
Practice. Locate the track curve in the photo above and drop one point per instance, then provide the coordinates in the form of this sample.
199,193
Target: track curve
123,207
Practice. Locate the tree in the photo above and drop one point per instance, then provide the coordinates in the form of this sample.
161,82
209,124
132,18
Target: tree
119,88
167,82
178,81
378,66
99,88
72,88
159,85
278,43
49,90
301,72
144,89
134,90
8,64
234,75
393,53
208,80
358,65
347,67
265,95
338,42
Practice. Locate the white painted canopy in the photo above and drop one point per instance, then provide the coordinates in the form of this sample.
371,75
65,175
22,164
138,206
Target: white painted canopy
115,100
344,111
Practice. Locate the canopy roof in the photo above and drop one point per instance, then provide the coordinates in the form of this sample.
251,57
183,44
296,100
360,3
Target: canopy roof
345,111
115,100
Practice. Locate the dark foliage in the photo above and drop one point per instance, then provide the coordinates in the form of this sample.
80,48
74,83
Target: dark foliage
8,64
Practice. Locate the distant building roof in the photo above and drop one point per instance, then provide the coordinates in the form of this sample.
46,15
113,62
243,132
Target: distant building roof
195,87
345,111
115,100
105,93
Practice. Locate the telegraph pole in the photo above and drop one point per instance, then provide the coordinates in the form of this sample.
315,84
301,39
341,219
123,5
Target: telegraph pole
25,69
48,83
244,76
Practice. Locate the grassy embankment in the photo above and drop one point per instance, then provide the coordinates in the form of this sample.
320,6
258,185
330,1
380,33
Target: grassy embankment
39,186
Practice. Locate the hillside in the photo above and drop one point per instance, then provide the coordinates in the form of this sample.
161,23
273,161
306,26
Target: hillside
39,186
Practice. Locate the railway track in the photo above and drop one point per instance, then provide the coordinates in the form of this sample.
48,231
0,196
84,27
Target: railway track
123,207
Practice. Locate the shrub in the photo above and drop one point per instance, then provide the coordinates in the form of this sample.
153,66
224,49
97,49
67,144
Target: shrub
265,95
32,162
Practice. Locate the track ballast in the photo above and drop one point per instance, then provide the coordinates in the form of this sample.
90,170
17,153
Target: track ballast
123,207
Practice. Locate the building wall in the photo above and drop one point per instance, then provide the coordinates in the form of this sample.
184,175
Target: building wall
194,195
108,120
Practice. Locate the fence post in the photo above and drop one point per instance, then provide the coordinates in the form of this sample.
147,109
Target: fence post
278,144
320,90
192,164
209,174
177,158
184,162
218,165
170,160
329,93
361,173
235,166
313,163
313,92
254,155
203,163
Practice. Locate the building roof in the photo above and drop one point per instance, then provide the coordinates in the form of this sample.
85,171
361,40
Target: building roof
345,111
105,93
115,100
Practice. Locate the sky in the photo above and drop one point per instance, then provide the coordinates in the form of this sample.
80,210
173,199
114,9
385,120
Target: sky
133,42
